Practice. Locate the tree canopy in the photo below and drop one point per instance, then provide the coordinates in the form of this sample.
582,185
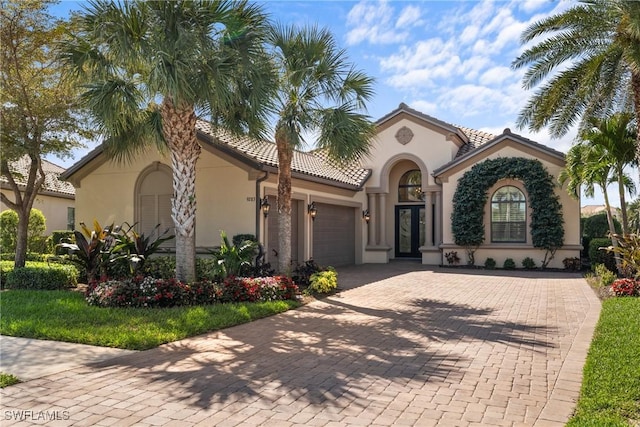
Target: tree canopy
38,108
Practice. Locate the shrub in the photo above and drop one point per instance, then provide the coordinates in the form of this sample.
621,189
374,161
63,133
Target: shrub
490,264
452,258
303,272
601,256
572,264
163,267
626,287
597,226
605,275
138,292
325,281
31,256
35,231
39,275
529,263
234,260
240,289
239,239
628,252
61,236
509,264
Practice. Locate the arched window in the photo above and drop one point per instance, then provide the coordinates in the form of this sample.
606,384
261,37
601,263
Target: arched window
410,187
508,215
154,191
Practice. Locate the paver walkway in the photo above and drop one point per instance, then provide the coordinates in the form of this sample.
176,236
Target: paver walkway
429,347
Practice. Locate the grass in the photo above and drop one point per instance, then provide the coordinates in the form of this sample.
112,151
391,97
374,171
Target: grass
65,316
610,394
7,379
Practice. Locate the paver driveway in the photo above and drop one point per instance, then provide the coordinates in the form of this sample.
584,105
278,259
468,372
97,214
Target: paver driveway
425,347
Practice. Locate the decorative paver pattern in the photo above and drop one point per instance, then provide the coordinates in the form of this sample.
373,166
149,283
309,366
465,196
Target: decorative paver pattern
429,347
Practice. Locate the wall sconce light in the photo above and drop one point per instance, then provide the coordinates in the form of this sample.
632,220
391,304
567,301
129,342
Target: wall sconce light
366,215
265,206
312,210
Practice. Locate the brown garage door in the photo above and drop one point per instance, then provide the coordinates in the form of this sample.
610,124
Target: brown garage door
334,235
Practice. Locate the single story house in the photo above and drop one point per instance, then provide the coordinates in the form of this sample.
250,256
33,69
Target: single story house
56,198
397,203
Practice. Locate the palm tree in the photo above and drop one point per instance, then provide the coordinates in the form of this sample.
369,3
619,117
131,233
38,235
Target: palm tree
318,91
587,167
594,48
617,139
149,67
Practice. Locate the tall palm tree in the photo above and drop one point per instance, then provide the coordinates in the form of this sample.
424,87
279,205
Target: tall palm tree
318,91
594,50
150,67
617,139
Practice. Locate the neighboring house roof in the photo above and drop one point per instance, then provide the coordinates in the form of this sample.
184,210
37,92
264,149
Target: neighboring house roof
53,185
590,210
487,145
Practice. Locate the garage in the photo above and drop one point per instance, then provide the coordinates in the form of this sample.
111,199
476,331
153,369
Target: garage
334,235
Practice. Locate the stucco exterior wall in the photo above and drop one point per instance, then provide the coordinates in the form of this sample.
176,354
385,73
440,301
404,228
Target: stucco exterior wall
516,251
222,192
54,209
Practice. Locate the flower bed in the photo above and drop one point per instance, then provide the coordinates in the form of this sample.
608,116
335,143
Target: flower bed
151,292
626,287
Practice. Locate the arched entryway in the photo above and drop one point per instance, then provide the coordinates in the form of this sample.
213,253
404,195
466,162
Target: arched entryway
153,193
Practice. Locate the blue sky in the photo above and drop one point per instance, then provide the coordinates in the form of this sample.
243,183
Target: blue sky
448,59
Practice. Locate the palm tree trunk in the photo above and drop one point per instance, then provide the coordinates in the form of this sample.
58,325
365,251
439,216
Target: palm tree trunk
179,131
612,228
623,204
285,157
635,86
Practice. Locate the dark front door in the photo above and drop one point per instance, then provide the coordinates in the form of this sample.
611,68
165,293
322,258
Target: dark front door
410,231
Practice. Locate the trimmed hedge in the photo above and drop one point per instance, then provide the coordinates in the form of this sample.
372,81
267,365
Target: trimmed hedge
38,275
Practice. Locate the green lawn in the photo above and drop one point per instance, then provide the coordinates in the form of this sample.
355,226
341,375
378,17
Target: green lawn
65,316
610,394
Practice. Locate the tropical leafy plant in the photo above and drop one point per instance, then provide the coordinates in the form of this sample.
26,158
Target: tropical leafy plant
91,249
136,248
325,281
234,260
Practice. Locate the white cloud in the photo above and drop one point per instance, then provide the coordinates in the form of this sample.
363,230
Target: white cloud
496,75
410,16
373,23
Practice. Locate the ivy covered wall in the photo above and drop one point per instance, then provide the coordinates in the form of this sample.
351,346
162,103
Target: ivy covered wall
470,198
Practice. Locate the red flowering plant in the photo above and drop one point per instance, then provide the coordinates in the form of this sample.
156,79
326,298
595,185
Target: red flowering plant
238,289
626,287
138,291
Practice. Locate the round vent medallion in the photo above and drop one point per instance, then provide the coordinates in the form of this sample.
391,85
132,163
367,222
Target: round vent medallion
404,135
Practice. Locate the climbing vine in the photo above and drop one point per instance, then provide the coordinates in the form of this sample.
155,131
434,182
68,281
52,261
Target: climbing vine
471,196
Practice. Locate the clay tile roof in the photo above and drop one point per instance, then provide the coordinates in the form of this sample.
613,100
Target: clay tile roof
52,182
476,139
315,163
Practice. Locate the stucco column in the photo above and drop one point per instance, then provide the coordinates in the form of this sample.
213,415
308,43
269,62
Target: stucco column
373,224
428,202
383,219
438,230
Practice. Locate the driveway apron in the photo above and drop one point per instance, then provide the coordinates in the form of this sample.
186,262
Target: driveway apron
401,344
